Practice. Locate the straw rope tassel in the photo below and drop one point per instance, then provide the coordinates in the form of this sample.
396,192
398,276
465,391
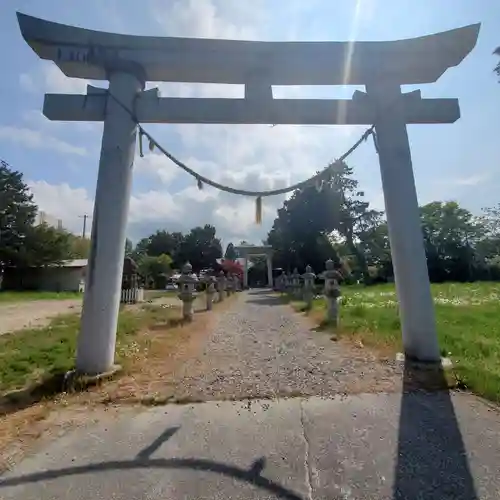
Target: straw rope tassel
258,210
141,152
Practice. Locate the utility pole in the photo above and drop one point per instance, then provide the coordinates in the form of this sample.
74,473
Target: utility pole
84,217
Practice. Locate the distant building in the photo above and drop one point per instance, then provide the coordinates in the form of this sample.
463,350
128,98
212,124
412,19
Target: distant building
44,218
69,276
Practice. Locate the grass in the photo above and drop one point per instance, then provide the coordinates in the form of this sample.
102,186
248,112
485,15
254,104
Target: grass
31,356
8,297
158,294
468,325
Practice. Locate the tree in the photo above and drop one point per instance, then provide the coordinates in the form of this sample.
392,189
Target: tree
163,242
45,245
80,247
160,242
231,266
451,234
155,269
313,220
141,249
374,243
17,214
201,248
231,253
128,248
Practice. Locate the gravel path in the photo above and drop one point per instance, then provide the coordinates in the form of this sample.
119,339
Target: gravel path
260,348
36,313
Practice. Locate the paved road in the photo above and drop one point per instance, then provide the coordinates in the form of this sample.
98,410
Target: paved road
372,446
378,445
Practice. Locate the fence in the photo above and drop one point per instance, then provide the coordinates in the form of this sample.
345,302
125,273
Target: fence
132,295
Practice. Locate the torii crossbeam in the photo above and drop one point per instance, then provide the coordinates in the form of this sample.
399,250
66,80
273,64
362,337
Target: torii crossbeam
128,62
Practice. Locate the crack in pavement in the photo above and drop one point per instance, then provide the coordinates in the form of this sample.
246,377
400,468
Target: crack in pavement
307,465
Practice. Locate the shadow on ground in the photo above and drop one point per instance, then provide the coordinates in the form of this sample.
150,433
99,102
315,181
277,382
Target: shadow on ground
431,458
431,462
266,298
143,460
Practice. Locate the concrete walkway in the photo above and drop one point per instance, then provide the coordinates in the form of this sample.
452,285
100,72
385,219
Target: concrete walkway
358,447
398,445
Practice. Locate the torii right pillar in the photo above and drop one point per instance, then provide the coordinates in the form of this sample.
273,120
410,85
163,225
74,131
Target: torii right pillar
416,307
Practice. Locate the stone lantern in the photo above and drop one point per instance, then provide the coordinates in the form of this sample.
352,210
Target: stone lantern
187,291
309,290
288,283
211,291
280,283
296,283
332,292
229,284
221,285
237,283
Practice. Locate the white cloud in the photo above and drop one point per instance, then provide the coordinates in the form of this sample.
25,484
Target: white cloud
233,216
35,139
49,78
208,18
62,202
36,118
255,157
157,166
472,180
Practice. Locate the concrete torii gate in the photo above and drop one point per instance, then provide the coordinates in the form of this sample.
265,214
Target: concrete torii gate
129,61
247,251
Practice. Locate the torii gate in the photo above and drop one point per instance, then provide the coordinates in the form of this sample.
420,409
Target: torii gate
129,61
247,251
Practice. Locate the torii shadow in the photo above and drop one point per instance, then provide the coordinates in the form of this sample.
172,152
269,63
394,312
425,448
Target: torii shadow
432,460
143,460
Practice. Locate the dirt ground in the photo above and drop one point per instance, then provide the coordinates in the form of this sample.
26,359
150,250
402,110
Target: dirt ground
36,313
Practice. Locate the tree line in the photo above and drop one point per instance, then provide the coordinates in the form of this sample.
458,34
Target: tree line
161,252
334,221
329,221
22,243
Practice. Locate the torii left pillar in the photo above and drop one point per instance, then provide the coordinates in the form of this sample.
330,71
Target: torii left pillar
96,342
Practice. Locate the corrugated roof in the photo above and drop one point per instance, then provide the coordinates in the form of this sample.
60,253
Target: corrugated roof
74,263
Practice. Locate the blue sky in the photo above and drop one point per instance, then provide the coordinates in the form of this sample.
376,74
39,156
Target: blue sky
59,160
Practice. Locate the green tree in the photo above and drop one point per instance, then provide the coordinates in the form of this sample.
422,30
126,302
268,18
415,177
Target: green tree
45,245
17,214
80,247
200,247
231,253
451,234
155,269
312,223
140,250
129,248
164,242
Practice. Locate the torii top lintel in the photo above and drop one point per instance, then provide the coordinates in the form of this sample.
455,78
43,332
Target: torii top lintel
83,53
246,251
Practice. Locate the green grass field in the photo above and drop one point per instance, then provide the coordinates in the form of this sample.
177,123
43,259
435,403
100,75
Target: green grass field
468,323
32,355
8,297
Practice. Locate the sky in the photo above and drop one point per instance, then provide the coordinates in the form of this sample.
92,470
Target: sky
60,160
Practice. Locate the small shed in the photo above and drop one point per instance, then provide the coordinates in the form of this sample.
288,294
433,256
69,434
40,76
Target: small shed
68,276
